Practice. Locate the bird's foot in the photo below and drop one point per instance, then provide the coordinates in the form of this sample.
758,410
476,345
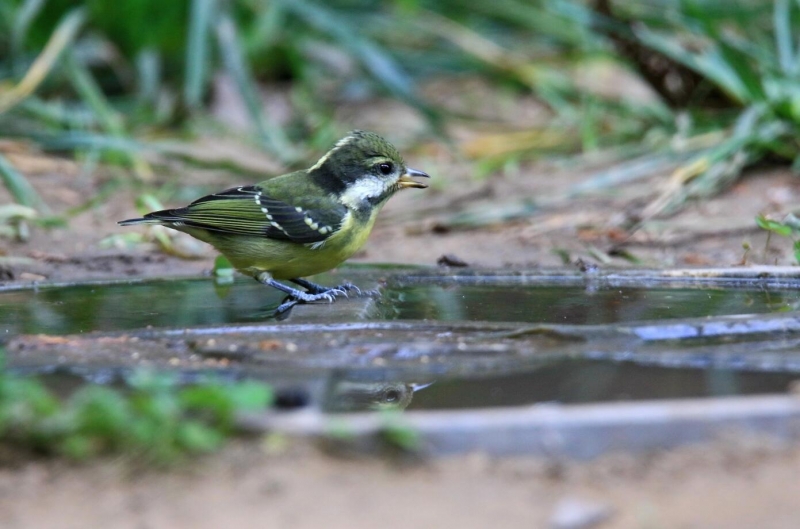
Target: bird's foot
328,295
285,308
314,288
315,292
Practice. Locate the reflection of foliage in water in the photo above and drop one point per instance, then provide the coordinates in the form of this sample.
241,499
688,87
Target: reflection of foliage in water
578,305
182,303
176,303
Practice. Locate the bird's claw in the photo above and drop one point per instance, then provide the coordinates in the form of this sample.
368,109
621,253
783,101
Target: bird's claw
329,295
349,286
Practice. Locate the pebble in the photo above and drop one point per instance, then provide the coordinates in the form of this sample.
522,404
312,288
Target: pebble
576,513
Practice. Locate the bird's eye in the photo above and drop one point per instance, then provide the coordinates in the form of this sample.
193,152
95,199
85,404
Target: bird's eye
391,395
385,168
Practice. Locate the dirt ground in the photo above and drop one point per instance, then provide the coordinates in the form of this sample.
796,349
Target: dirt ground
415,227
720,485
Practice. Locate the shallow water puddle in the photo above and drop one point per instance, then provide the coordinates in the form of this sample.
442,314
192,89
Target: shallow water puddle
193,302
429,339
584,381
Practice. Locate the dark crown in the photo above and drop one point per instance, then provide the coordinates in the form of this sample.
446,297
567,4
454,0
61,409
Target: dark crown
351,159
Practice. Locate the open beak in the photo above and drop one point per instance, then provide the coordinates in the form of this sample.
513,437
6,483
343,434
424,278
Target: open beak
407,179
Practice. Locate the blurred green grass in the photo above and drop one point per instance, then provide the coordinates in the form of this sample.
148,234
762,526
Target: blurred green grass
104,80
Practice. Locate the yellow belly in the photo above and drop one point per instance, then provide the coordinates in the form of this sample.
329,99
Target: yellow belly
289,260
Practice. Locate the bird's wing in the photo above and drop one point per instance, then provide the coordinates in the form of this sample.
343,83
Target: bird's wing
249,210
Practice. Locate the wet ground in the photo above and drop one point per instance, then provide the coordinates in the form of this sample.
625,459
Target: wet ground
424,338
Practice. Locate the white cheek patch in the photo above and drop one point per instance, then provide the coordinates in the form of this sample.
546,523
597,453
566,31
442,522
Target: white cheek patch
364,189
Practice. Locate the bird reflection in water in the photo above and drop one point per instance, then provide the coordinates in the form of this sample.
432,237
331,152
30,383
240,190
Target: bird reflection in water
344,395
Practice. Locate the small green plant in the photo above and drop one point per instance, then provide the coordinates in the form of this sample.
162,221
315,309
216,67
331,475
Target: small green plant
14,219
154,419
788,227
223,270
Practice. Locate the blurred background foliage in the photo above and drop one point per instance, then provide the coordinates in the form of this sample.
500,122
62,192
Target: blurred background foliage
111,82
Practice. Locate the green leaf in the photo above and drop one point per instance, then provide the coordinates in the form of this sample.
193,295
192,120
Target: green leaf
157,419
195,436
773,226
251,396
28,396
213,399
102,412
78,447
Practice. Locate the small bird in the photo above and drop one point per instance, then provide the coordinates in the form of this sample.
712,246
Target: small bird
302,223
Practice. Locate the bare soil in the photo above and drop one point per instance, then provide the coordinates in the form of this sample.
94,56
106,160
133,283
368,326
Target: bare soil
731,485
726,484
415,227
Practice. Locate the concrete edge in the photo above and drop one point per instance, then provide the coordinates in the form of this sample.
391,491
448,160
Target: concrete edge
572,431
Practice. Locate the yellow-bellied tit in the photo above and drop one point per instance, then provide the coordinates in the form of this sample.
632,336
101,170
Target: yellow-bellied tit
302,223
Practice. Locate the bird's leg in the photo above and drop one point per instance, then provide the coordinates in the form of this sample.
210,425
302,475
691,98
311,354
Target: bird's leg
315,288
298,295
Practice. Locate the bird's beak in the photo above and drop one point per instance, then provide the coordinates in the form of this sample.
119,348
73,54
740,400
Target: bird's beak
406,180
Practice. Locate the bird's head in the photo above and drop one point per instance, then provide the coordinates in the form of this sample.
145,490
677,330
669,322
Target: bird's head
364,170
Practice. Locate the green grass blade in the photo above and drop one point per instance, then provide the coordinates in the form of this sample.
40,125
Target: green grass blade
19,187
148,68
61,39
71,141
745,71
22,21
565,21
783,35
270,132
268,24
373,57
200,17
747,121
109,119
57,114
91,93
709,63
